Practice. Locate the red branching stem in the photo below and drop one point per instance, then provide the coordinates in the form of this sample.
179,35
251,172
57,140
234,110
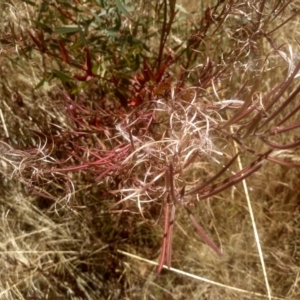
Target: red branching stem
169,239
164,247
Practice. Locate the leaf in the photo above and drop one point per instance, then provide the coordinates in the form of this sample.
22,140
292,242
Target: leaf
98,20
140,79
88,62
64,52
159,74
147,72
114,30
81,77
201,232
30,2
35,40
135,101
41,83
62,76
284,147
122,8
198,188
67,29
43,26
162,88
82,36
68,4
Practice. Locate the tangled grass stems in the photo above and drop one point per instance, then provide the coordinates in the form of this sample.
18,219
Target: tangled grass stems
199,278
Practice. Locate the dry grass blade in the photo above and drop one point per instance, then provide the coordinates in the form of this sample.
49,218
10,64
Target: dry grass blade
257,240
109,109
208,281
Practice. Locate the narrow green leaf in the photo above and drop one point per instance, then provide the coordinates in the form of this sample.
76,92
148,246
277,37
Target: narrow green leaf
67,4
82,36
62,76
41,83
45,27
30,2
67,29
122,8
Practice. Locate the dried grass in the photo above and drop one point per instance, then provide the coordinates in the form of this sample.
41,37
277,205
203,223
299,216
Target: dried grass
62,238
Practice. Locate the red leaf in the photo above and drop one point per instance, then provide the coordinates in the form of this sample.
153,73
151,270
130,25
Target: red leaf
88,62
135,101
208,15
64,52
81,77
36,41
159,74
140,79
147,72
